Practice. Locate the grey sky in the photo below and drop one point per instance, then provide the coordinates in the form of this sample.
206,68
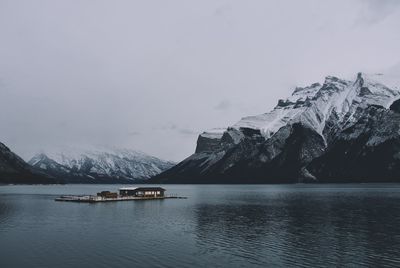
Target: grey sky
151,75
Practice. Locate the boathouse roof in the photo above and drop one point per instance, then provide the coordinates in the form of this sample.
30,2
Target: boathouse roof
142,188
127,188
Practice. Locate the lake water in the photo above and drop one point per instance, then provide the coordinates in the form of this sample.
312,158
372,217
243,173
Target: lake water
217,226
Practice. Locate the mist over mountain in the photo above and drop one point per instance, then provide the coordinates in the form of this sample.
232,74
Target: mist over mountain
338,131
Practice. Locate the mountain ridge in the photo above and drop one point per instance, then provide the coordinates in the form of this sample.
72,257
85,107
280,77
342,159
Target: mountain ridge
100,166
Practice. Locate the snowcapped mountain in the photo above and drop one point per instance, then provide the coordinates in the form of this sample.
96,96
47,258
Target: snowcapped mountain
100,166
284,145
314,105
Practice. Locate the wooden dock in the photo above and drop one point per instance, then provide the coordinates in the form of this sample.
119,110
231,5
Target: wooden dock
97,199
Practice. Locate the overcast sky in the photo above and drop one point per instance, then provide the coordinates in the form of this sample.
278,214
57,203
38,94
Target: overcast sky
152,75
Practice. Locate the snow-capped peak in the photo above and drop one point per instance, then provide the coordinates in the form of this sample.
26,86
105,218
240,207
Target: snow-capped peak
37,158
315,104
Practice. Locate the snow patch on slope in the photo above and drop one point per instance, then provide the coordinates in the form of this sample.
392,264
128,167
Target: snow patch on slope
215,133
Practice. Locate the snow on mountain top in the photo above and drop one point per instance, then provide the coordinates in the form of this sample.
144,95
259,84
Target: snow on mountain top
302,93
391,81
113,163
313,105
37,158
215,133
69,153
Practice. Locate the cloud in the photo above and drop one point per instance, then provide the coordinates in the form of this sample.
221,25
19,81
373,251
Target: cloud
134,133
169,126
375,11
221,10
177,129
151,76
189,132
223,105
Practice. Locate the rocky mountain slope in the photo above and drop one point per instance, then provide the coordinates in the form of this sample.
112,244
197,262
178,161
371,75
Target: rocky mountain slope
368,151
341,130
105,166
14,169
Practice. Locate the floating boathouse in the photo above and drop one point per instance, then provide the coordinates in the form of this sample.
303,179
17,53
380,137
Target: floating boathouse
124,194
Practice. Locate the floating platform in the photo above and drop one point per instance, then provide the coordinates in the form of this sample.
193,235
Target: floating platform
97,199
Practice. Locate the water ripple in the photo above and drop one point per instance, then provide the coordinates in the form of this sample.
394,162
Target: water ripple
218,226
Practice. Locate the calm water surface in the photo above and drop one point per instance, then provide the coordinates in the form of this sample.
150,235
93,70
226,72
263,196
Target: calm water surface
217,226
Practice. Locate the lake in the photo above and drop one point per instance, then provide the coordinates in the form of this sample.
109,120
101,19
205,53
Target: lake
297,225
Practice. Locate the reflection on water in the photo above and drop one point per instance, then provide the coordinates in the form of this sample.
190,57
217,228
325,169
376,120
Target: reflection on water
219,226
304,230
5,212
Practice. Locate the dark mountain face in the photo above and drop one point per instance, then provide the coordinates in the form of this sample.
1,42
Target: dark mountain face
253,160
14,169
368,151
339,131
